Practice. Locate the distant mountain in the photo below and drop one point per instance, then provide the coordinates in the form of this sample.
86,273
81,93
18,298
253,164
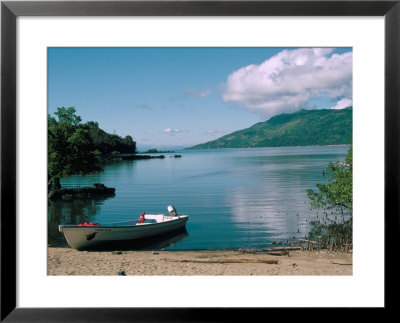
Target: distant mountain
301,128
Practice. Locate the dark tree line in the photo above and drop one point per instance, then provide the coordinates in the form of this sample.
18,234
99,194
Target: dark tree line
77,148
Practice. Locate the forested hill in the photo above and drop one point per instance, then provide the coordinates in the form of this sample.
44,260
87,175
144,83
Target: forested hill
301,128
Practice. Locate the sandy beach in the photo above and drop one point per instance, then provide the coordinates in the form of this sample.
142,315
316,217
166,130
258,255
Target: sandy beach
66,261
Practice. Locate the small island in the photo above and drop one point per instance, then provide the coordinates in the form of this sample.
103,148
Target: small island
155,151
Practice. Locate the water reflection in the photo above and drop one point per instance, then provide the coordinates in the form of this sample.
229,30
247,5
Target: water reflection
268,221
270,198
71,212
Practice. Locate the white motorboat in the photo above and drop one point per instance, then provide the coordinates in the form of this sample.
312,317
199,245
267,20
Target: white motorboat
86,235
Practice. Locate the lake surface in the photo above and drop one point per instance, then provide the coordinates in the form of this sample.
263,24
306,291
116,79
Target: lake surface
235,198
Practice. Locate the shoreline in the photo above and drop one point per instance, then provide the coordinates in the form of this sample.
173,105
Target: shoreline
67,261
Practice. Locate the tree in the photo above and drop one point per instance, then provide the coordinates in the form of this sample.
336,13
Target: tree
70,147
107,143
337,195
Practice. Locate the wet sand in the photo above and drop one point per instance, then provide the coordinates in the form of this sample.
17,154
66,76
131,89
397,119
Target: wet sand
66,261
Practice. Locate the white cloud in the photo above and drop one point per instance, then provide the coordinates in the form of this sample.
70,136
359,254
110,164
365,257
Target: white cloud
343,103
170,130
288,80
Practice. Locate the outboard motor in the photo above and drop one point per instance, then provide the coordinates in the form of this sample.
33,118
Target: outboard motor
172,210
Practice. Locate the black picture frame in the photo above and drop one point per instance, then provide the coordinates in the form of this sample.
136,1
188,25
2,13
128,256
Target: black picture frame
10,10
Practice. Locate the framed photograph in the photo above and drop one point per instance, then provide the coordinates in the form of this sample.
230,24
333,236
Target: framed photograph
190,74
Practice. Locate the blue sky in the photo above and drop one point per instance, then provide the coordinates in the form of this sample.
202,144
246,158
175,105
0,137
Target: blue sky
169,97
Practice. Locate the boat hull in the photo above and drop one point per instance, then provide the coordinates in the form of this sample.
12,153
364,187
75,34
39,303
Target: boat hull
82,237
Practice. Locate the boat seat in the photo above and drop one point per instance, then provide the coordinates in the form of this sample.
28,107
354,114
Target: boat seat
157,217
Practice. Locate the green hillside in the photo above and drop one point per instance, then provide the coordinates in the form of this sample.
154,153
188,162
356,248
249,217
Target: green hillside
301,128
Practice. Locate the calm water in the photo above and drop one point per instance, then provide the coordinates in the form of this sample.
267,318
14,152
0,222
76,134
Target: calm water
235,198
